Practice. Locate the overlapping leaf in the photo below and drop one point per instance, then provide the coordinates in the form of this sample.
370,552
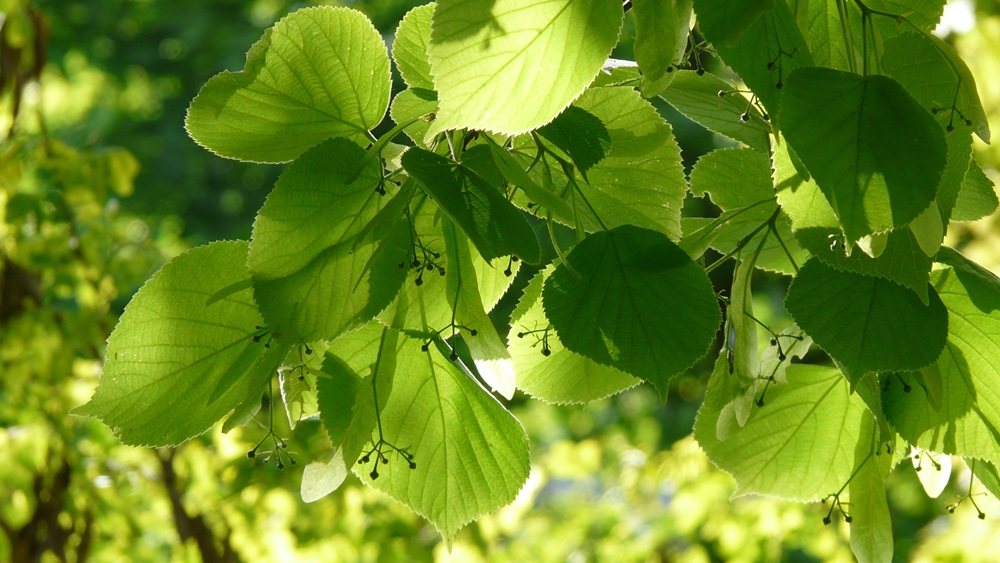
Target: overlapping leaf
511,66
492,223
409,48
759,40
548,370
661,34
318,73
182,357
967,415
866,323
873,151
471,455
317,272
632,299
808,428
697,97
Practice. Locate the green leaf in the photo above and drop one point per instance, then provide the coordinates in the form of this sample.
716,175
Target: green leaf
171,349
871,522
875,153
697,97
409,47
937,77
866,323
968,416
318,73
486,348
321,478
559,375
730,20
492,223
316,273
817,230
463,470
631,299
739,179
412,104
347,399
922,13
733,177
511,66
987,474
641,180
661,33
579,134
759,40
977,198
813,417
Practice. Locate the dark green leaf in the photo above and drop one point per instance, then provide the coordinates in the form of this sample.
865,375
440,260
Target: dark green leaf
632,299
866,323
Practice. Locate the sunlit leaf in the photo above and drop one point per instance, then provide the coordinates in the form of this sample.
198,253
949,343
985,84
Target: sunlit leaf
314,276
812,417
409,47
511,66
486,348
978,196
697,97
318,73
171,348
462,470
967,419
661,35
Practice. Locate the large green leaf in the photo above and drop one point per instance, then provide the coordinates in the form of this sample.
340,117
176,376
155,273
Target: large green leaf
866,323
318,73
470,453
759,40
875,153
511,66
409,48
967,418
697,97
641,179
632,299
661,35
492,223
182,357
316,272
808,428
546,369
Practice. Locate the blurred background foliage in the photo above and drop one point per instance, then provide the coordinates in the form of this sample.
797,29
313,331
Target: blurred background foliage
99,185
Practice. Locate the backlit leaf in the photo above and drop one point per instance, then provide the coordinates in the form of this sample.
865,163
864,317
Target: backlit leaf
511,66
172,348
318,73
